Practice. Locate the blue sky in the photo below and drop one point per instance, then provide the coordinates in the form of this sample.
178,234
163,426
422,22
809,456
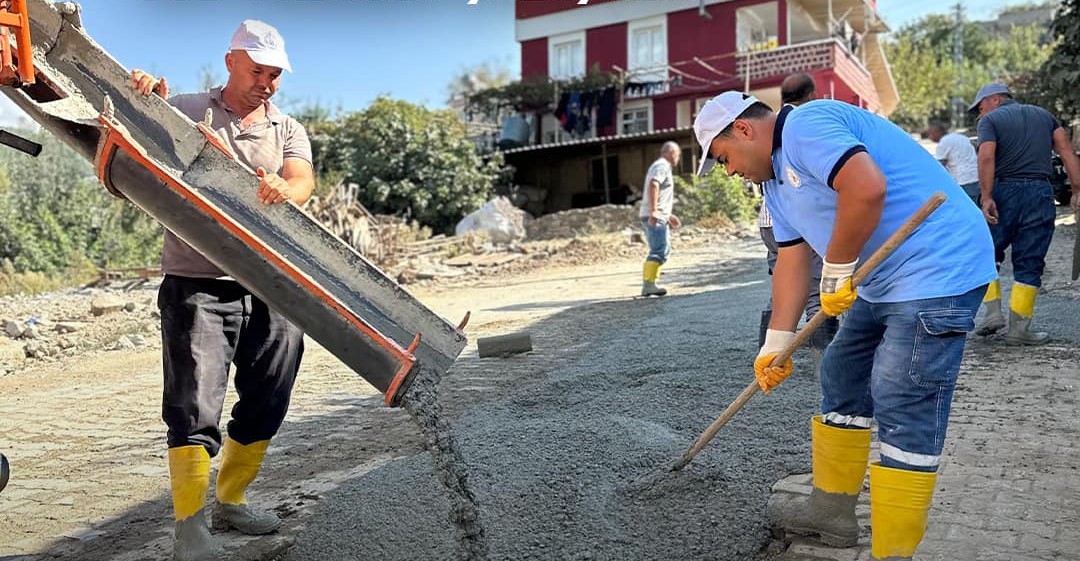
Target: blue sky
344,53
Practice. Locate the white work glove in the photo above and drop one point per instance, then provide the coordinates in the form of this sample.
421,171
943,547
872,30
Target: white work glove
837,294
769,376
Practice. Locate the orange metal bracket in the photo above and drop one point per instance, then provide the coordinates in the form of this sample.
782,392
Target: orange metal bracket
14,19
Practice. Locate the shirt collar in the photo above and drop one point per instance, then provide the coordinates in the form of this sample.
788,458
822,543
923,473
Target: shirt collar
778,128
273,114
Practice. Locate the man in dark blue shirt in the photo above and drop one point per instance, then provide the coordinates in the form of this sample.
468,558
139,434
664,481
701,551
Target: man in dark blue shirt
1015,141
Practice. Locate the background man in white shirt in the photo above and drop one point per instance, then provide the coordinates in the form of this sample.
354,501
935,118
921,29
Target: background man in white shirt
957,154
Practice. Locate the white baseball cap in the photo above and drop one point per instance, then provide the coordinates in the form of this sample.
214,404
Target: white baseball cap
714,117
262,42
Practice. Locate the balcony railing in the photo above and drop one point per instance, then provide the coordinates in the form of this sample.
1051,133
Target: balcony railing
801,57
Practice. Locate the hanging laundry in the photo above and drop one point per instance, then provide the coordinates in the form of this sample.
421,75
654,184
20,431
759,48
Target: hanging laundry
560,109
605,108
573,112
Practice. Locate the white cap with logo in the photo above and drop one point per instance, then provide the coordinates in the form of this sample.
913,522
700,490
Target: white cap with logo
714,117
262,43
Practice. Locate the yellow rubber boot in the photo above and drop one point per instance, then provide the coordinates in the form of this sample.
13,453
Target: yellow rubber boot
650,271
992,320
899,506
240,464
189,473
1021,309
839,463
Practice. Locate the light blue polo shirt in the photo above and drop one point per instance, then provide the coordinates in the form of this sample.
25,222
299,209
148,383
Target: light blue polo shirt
949,254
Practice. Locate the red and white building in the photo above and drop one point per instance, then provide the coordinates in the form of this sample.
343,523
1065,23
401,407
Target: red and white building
683,52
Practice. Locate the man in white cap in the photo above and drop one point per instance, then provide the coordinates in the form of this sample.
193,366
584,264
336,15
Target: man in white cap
209,320
847,179
1017,199
657,217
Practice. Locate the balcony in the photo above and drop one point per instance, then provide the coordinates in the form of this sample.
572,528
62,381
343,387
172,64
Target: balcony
822,54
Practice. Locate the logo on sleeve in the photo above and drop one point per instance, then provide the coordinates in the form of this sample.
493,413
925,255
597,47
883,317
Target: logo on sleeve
793,178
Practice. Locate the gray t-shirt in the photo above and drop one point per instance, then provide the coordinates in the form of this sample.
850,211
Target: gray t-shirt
264,144
1024,135
661,172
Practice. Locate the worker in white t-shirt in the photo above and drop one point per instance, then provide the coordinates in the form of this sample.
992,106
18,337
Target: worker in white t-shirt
957,154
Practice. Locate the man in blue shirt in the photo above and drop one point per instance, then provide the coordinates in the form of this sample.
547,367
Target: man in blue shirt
846,180
795,90
1014,174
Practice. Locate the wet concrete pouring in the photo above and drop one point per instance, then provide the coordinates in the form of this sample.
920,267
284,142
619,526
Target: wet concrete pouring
422,402
556,444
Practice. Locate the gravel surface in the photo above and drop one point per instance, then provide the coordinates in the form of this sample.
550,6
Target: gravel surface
556,462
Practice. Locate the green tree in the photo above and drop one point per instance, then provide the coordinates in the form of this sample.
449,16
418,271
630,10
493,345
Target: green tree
321,124
489,74
922,81
1055,84
921,57
56,213
412,161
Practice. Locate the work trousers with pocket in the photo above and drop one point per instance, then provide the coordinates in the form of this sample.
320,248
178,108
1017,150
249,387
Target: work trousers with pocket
206,325
897,362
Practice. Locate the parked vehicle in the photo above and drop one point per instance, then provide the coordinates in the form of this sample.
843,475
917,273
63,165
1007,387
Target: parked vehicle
1060,181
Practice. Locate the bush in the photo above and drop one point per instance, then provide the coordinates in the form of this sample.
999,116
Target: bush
411,161
717,192
55,218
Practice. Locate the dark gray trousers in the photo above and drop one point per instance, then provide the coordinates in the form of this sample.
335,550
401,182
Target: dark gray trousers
206,324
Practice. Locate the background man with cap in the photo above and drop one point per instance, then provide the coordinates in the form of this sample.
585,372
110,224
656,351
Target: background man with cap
209,320
846,180
657,203
1017,199
956,153
795,90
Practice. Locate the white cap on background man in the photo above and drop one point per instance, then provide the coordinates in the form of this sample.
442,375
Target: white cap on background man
262,43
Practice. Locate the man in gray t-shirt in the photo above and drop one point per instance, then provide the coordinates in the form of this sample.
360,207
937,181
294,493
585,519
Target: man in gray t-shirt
1017,199
656,216
209,320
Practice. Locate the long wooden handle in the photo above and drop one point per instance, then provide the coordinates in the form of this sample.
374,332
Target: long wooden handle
803,335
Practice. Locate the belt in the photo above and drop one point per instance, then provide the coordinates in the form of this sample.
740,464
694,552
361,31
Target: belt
1015,178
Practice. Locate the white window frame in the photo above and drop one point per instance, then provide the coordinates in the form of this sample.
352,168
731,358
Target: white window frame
645,104
557,40
743,41
684,113
632,64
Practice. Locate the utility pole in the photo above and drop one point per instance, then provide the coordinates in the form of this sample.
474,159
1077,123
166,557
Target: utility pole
958,62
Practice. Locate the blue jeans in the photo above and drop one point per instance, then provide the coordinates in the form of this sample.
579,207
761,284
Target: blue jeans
657,238
813,295
1026,222
897,363
973,190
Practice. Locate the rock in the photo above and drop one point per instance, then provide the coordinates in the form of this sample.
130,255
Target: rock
123,344
106,304
137,340
66,343
13,329
31,333
129,307
35,349
11,353
68,327
155,313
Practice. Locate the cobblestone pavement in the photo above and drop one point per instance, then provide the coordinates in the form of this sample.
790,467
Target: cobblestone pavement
1009,486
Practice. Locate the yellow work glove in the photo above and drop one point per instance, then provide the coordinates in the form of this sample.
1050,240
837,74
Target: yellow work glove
837,294
768,376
